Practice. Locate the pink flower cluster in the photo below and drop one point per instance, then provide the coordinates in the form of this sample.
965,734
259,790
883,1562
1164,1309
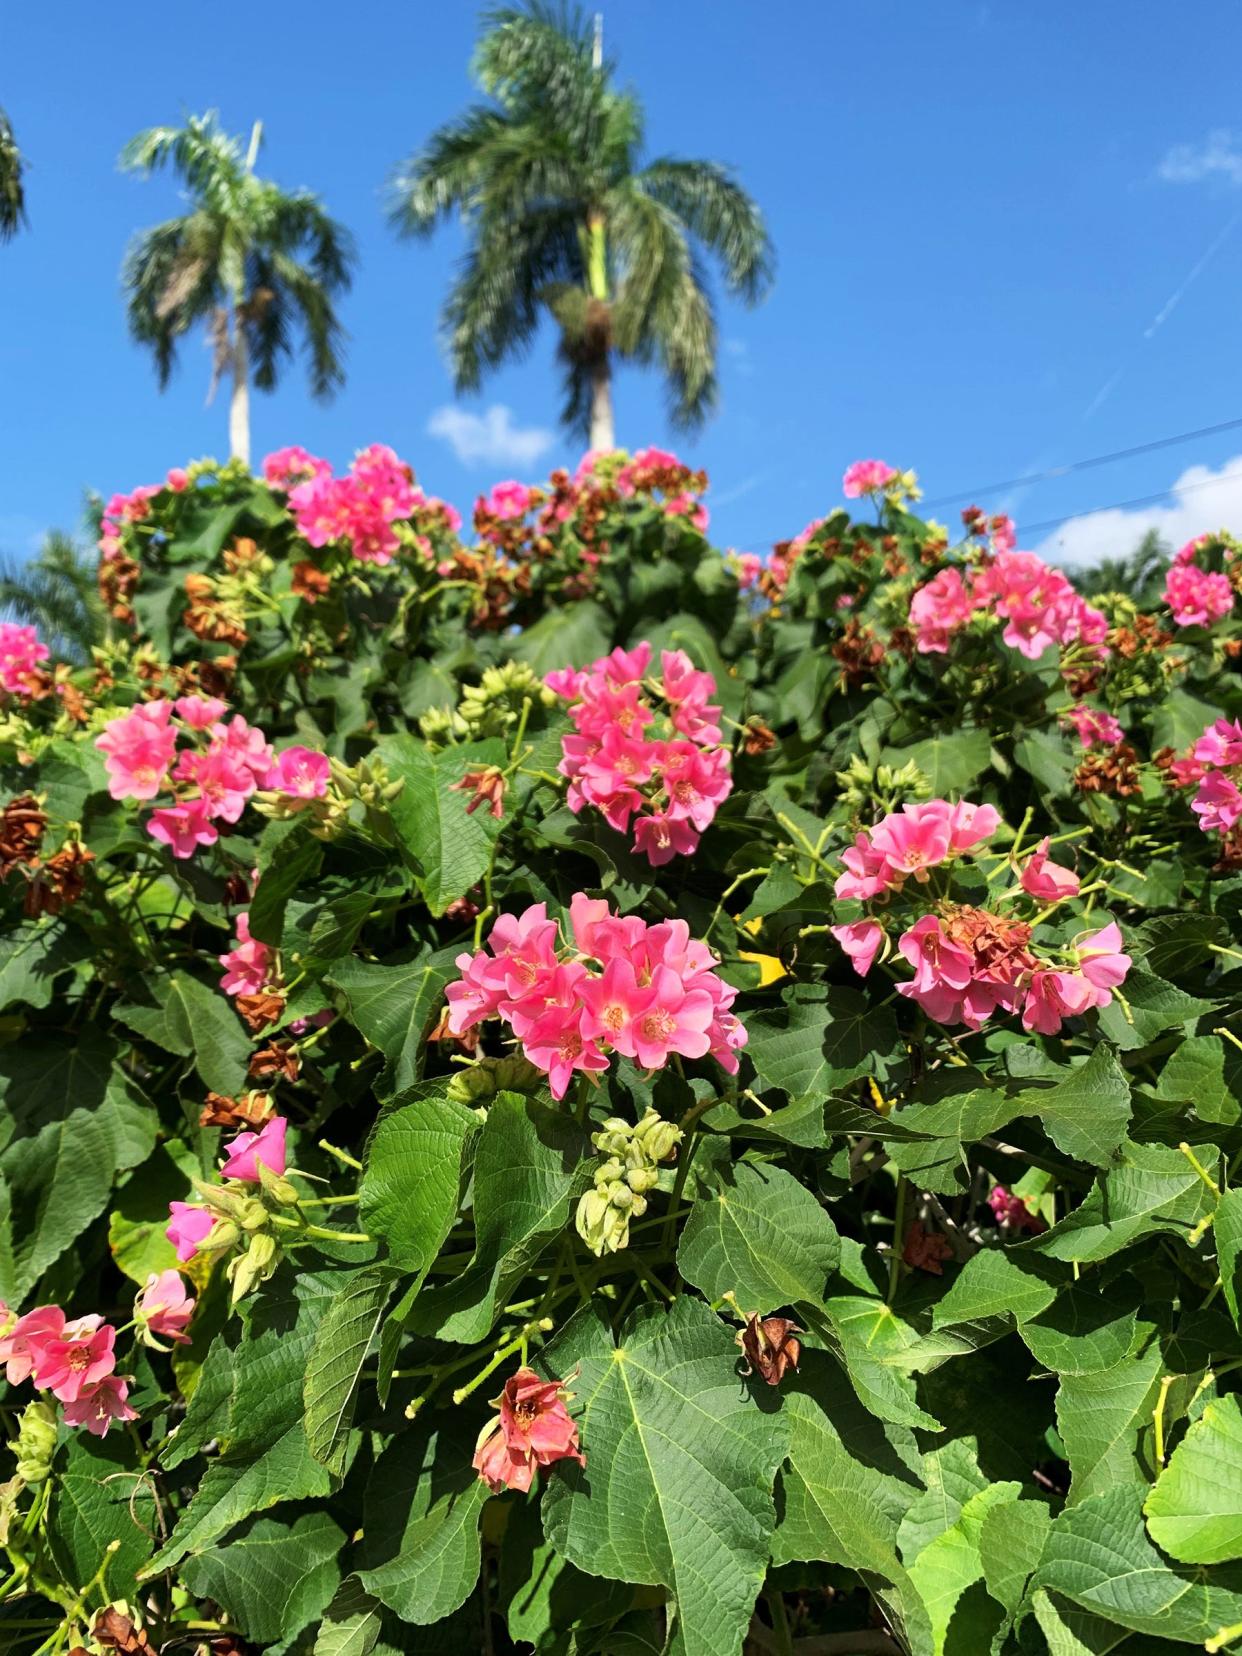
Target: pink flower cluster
1196,596
190,1224
358,509
1011,1211
248,964
866,477
221,763
670,777
507,501
21,651
120,510
658,992
648,471
1036,602
75,1358
969,962
910,842
1217,767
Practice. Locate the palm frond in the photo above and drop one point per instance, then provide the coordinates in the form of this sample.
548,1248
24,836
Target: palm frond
715,208
12,182
57,592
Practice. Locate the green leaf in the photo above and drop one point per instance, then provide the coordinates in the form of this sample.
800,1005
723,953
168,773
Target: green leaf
70,1124
351,1624
415,1166
1228,1232
1098,1555
288,860
139,1215
1086,1114
950,763
1086,1328
194,1019
815,1041
680,1463
1195,1510
393,1005
875,1345
1150,1188
760,1234
995,1283
526,1167
1047,759
275,1578
99,1498
342,1343
1154,1006
569,636
951,1562
1011,1544
452,850
421,1524
1104,1417
32,955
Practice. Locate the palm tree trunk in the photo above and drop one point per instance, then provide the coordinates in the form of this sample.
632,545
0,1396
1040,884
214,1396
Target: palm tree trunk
239,401
603,433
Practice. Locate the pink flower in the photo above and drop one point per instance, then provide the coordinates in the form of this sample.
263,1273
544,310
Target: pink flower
22,1347
1101,959
187,1227
1054,996
749,569
1220,744
248,964
100,1404
245,747
249,1151
507,500
970,825
533,1428
182,828
21,651
1218,803
916,838
674,1019
292,465
1012,1211
660,838
138,749
866,477
165,1307
1045,879
178,480
867,871
79,1356
300,772
939,610
861,940
555,1043
1197,597
200,712
1095,728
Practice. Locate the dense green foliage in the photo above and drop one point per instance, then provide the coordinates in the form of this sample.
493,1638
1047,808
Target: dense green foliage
1012,1428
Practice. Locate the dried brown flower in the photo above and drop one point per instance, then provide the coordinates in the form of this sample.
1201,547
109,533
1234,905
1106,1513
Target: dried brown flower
770,1346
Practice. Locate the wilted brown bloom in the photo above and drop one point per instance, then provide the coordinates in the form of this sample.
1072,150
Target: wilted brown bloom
278,1058
859,651
757,737
60,880
21,833
209,619
770,1346
216,677
468,1041
1140,637
1230,859
115,1631
243,552
257,1011
310,582
1112,771
118,579
252,1109
486,785
926,1250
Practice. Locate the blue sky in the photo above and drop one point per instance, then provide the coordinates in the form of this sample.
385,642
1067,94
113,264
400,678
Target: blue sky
1007,233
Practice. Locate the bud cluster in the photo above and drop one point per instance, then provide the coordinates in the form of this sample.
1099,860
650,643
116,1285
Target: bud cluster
629,1169
242,1224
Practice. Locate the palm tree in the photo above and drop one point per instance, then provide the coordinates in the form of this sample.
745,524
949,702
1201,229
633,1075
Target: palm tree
12,190
546,178
249,260
1138,575
58,592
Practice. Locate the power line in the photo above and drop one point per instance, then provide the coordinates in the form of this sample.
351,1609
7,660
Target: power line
1084,465
1126,505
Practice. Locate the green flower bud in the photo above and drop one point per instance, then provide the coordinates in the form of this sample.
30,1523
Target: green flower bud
256,1265
223,1234
591,1220
36,1442
642,1178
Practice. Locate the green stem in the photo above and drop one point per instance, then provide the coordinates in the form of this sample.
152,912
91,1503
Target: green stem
899,1229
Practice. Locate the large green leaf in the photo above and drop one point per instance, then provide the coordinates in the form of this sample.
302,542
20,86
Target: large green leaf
190,1019
392,1005
1195,1510
31,957
949,1563
70,1122
677,1490
1098,1555
342,1344
101,1501
760,1234
275,1578
421,1524
1086,1114
527,1165
410,1191
817,1039
1149,1188
1104,1419
451,849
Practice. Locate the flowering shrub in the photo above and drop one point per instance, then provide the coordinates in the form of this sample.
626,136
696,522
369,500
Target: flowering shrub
564,1089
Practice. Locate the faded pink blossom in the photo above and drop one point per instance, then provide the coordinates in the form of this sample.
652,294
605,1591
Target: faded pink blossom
100,1404
248,964
866,477
138,749
165,1307
861,940
79,1356
187,1227
1045,879
248,1151
1095,728
533,1428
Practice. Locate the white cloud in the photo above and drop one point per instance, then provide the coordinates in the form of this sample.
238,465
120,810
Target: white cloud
491,438
1202,499
1218,156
